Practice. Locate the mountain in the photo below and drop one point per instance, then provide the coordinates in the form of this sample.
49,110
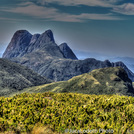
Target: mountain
68,53
112,80
41,54
23,43
14,77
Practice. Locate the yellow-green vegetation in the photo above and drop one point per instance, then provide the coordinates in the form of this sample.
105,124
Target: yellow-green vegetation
56,112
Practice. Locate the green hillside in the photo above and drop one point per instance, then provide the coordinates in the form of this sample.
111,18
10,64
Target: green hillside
52,113
113,80
15,77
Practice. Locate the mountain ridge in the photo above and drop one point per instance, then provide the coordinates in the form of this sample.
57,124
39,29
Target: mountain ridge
111,80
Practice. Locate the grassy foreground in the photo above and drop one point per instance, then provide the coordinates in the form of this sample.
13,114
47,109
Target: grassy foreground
53,113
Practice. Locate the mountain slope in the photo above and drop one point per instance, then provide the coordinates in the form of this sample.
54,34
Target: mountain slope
14,77
112,80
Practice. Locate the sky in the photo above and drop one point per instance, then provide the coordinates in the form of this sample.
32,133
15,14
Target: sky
89,27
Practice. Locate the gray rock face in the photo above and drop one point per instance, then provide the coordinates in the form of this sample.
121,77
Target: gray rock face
61,70
18,45
14,77
68,53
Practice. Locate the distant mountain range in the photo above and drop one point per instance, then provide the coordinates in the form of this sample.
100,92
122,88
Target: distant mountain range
40,53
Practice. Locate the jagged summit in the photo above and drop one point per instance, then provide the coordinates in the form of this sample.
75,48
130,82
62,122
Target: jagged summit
24,43
68,53
47,37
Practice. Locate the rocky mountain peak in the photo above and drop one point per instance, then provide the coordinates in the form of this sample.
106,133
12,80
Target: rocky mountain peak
68,53
23,43
47,37
18,45
21,32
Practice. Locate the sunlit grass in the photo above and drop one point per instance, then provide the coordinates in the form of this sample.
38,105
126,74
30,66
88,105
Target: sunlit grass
55,112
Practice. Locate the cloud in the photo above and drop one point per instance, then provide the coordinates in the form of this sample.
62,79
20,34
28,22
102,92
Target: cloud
86,16
101,3
53,14
126,9
13,20
31,9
